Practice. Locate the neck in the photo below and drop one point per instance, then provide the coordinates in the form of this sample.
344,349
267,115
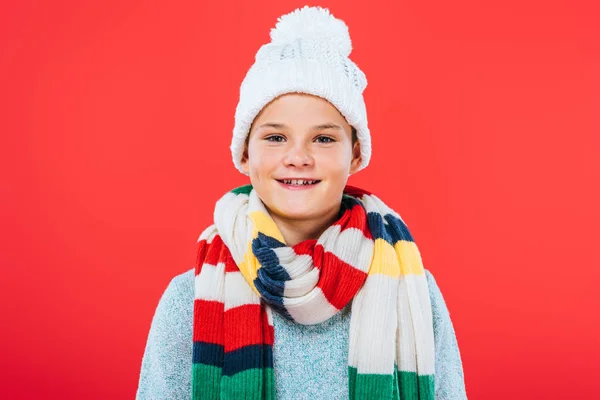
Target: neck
295,231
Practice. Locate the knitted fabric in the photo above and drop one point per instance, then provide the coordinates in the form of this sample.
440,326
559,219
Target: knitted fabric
245,271
308,53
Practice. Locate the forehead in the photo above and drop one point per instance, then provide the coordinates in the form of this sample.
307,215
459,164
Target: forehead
298,108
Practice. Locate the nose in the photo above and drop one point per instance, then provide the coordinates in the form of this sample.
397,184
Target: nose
298,156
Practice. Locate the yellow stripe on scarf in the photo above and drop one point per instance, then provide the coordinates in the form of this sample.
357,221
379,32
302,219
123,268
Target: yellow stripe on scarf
250,265
385,261
410,258
265,224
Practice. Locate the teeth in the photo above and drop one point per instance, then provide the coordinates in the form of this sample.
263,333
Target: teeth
298,182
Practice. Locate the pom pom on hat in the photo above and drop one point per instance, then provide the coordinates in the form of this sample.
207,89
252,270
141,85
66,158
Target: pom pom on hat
312,23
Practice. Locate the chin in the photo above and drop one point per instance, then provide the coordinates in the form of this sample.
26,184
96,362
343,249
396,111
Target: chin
298,213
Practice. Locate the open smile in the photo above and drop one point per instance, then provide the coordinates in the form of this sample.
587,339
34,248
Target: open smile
298,184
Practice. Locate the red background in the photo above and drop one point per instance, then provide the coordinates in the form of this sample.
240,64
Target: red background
115,121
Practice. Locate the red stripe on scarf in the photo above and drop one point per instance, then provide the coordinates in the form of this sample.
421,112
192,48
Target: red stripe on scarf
216,247
244,327
356,217
209,326
200,256
230,265
356,192
305,247
338,280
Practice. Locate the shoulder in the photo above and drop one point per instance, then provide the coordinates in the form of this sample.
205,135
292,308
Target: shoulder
175,307
430,277
434,290
181,286
184,281
439,309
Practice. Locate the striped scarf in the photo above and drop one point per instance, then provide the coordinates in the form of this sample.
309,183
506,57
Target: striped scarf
244,271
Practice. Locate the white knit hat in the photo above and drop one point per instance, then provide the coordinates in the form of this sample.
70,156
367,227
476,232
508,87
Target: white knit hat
308,53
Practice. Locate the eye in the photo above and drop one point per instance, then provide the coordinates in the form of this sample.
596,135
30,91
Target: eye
325,139
275,138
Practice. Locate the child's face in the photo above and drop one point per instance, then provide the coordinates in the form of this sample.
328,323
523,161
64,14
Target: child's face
295,137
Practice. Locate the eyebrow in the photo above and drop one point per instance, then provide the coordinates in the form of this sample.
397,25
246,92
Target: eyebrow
314,128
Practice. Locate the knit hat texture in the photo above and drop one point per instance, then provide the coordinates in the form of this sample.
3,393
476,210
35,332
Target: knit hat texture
308,53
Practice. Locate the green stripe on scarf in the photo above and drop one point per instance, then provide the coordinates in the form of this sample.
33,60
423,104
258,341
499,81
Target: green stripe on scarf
255,383
369,386
242,385
408,386
208,384
246,189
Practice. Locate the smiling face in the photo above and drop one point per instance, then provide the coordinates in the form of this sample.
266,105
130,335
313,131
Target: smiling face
300,137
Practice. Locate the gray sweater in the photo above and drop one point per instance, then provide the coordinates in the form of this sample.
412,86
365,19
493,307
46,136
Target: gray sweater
310,361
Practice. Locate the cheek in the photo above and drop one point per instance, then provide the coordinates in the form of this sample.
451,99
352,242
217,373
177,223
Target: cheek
263,162
335,164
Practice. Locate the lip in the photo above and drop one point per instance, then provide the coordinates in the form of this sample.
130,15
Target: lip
298,187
